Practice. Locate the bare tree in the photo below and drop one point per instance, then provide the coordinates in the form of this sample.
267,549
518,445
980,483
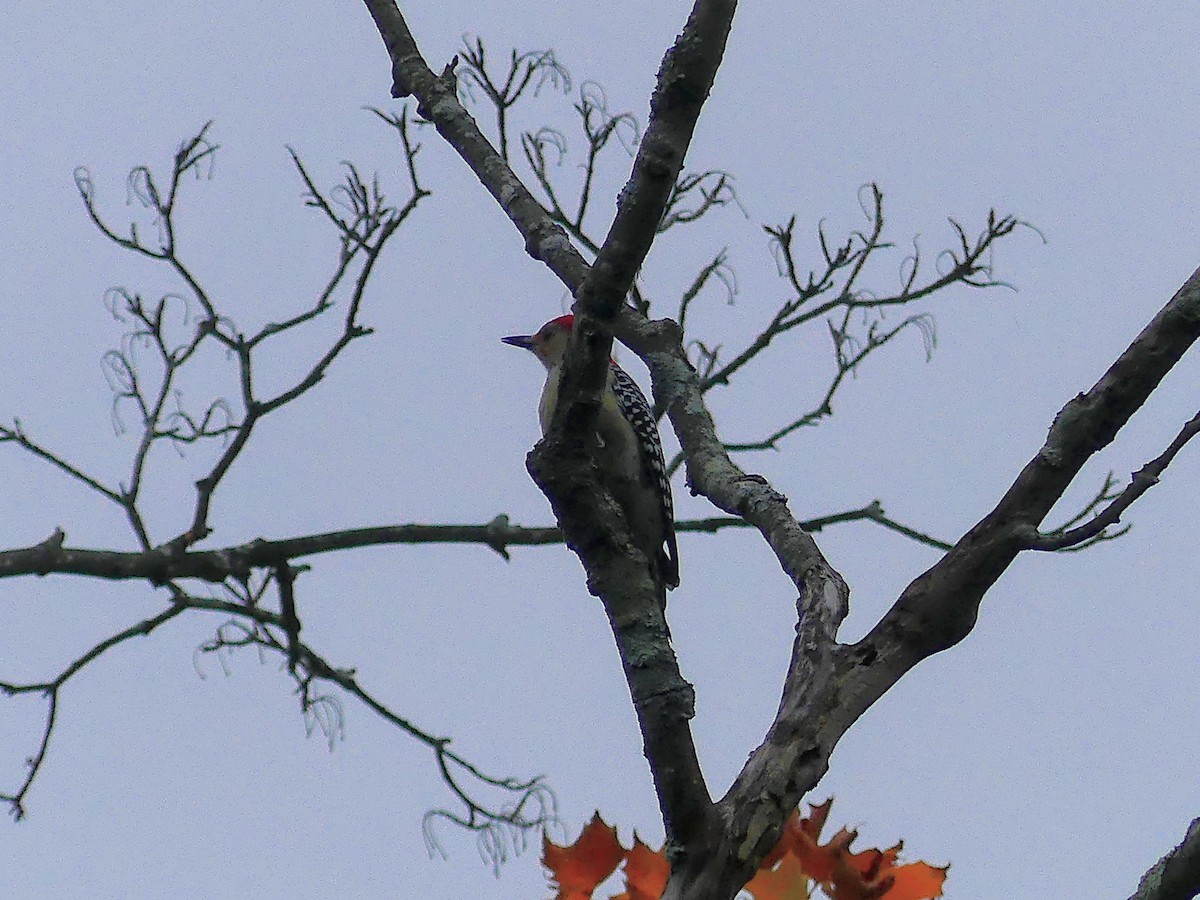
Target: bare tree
715,845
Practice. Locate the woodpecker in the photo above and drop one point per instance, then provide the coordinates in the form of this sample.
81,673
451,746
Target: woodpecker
628,450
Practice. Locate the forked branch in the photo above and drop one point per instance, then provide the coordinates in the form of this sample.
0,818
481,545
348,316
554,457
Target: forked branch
1077,536
828,685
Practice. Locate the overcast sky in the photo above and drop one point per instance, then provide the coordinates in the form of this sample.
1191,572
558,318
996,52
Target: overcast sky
1051,754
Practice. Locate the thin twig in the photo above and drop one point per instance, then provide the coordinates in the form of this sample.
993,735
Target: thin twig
1096,528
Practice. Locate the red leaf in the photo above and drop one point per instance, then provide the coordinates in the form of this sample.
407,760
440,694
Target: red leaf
917,881
788,872
646,873
577,870
787,881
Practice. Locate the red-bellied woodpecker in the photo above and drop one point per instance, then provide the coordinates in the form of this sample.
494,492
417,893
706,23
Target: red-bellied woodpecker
628,450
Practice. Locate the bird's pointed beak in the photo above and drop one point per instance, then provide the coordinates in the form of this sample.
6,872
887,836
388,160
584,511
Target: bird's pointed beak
524,341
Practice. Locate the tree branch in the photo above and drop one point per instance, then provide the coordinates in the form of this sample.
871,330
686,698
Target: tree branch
437,101
848,355
561,465
827,686
1177,875
684,82
171,561
939,608
522,68
50,689
251,625
363,229
16,435
1140,482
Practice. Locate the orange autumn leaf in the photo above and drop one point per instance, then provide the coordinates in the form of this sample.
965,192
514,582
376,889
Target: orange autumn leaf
874,874
787,840
786,881
815,820
577,870
844,874
917,881
790,871
824,862
866,875
798,832
646,873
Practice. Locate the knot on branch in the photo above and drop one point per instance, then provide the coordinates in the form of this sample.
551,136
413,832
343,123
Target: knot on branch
672,702
46,552
448,78
495,532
